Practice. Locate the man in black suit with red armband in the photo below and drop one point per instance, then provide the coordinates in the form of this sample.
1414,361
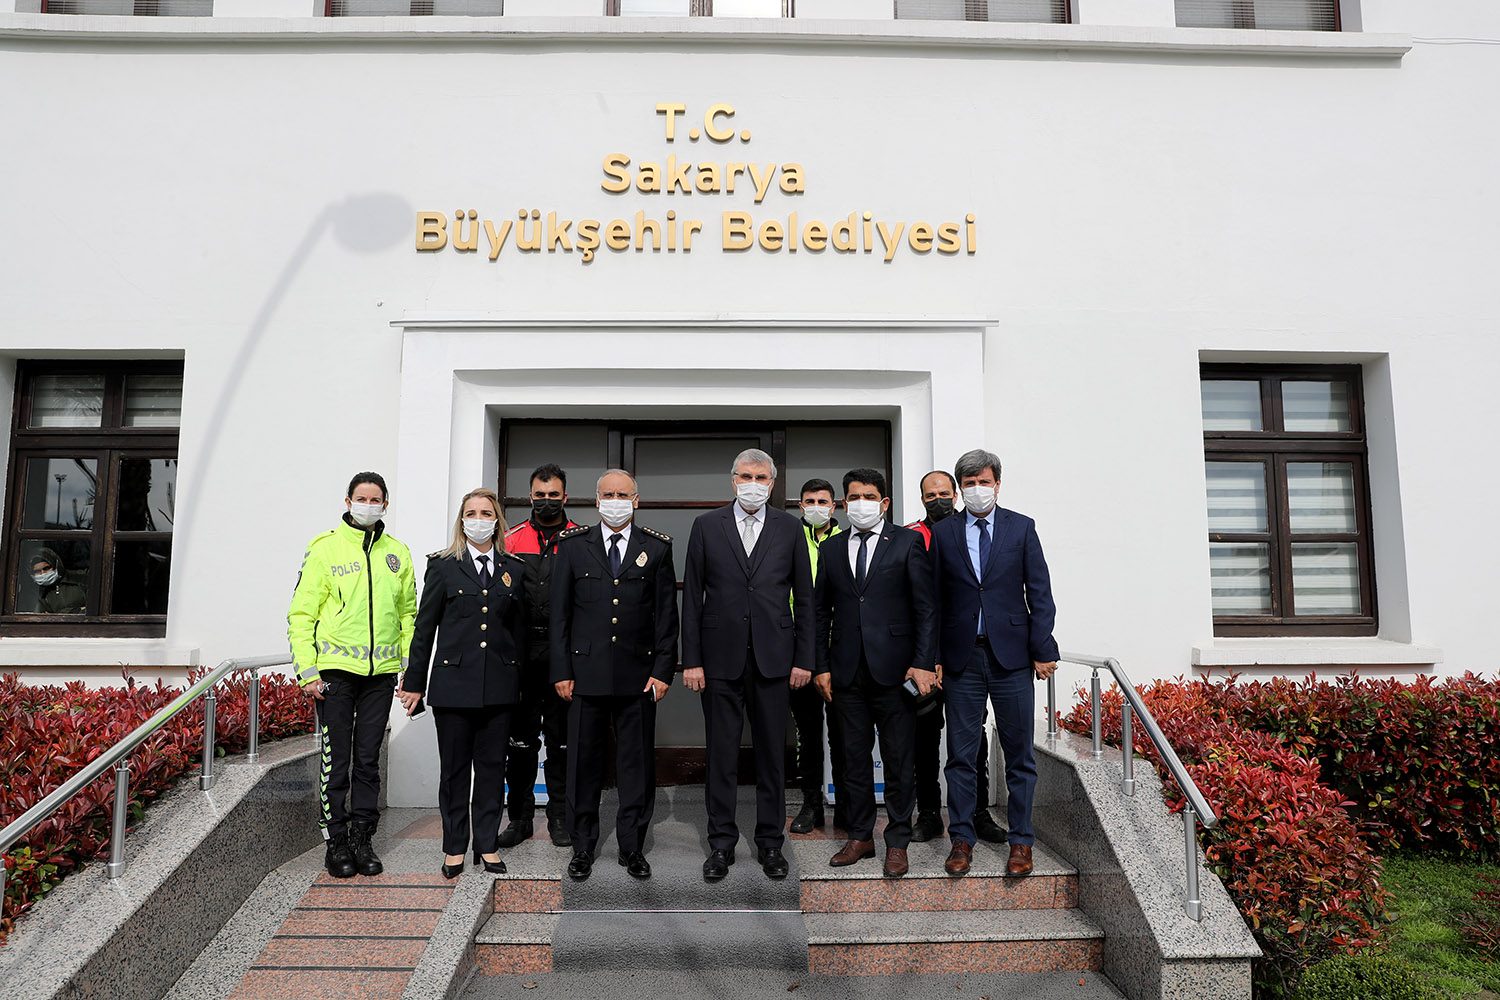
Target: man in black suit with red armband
877,631
747,642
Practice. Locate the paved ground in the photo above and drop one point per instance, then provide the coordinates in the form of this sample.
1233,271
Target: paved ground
731,985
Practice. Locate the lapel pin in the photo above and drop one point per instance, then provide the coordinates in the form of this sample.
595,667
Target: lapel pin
505,579
640,560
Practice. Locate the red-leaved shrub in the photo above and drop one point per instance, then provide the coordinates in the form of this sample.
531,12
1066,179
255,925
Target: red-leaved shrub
47,733
1285,847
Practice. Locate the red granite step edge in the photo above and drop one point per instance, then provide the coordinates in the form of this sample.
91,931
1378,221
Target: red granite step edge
955,957
528,895
930,894
513,959
344,984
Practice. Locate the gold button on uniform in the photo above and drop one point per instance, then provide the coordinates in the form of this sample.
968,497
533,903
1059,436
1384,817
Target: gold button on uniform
615,601
484,611
482,593
614,621
481,645
613,639
482,627
617,583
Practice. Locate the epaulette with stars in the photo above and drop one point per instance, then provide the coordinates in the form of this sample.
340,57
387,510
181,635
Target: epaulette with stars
511,555
572,532
654,533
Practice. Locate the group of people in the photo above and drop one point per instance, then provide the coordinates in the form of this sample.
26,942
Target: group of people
570,633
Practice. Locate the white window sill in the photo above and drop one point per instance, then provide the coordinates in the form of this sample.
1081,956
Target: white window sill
28,651
1314,652
694,30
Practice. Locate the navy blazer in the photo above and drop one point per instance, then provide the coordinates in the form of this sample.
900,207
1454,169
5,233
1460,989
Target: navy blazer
891,618
474,636
1015,593
730,602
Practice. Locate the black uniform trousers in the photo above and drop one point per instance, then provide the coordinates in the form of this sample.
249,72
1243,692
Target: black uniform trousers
540,715
726,704
352,717
808,709
864,707
930,755
471,740
589,719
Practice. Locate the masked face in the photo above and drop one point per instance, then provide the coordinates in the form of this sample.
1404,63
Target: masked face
615,513
479,529
366,514
546,509
980,500
45,579
938,508
817,516
865,514
752,496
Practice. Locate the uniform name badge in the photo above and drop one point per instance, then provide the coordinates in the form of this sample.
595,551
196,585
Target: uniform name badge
505,579
640,560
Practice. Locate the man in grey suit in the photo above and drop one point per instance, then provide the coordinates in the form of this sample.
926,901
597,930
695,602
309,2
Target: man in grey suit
747,642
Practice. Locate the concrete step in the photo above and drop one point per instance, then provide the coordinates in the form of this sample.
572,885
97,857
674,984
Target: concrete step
1049,940
735,984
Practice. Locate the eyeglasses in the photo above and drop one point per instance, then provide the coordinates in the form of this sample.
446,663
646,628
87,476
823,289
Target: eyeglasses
745,477
613,495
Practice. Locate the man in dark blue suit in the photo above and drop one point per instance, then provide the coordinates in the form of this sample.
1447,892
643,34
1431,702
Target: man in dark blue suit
995,617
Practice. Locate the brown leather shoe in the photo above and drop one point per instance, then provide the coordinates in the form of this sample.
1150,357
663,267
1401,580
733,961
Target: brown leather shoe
855,850
895,862
1020,860
959,858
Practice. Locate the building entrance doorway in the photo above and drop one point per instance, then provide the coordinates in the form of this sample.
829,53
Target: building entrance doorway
682,469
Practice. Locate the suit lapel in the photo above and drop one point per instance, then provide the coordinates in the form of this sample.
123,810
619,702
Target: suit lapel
594,542
1000,521
732,532
467,562
884,546
769,525
961,532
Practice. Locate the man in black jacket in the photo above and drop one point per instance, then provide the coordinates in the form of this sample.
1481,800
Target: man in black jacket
747,638
614,649
877,630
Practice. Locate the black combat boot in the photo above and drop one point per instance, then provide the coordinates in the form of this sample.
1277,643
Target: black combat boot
364,854
337,859
811,815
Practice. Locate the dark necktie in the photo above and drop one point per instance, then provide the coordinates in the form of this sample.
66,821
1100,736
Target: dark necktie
614,553
859,560
984,544
484,572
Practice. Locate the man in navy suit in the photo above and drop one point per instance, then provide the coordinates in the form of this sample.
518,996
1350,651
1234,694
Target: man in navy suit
876,631
995,616
747,642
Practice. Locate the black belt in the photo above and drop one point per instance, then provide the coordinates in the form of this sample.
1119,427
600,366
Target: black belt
982,640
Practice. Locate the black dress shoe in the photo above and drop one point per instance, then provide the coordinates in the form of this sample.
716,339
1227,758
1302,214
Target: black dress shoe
514,833
636,864
717,865
986,828
811,816
452,871
493,867
581,867
927,827
772,862
557,829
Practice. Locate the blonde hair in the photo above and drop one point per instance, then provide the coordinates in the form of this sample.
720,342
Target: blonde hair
460,540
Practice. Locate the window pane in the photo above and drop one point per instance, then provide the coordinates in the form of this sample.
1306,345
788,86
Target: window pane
1236,497
672,8
1321,496
1231,406
1054,11
1240,575
747,8
67,401
1290,15
140,585
678,524
580,449
65,594
1315,406
59,493
153,401
687,468
148,494
1325,578
827,451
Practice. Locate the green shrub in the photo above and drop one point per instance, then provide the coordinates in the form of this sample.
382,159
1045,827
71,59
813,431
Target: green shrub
1364,977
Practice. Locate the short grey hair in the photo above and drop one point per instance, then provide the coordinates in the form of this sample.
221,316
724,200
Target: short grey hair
634,487
973,463
753,456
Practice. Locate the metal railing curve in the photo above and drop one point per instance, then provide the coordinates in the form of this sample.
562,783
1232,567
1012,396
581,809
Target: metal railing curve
1194,811
118,757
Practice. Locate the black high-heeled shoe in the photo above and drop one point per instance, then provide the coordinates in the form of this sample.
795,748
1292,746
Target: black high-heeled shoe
452,871
493,867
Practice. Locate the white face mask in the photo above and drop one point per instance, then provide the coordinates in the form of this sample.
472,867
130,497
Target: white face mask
616,513
46,579
817,516
753,496
980,500
366,514
864,514
479,529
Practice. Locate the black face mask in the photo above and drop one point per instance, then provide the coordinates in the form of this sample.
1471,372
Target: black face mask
938,508
546,509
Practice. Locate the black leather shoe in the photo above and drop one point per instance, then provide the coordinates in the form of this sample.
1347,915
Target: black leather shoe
772,862
927,827
365,860
452,871
337,859
986,828
496,867
811,816
557,829
514,833
636,864
717,865
581,867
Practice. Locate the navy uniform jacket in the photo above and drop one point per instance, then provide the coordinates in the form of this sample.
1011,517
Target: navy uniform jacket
607,634
730,603
891,619
1015,592
479,634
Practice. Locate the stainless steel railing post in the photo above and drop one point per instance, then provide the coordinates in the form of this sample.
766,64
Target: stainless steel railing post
116,866
253,756
1127,748
1194,905
1052,705
206,779
1094,703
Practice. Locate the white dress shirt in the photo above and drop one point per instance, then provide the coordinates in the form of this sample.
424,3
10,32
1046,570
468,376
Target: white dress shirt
494,564
870,544
624,532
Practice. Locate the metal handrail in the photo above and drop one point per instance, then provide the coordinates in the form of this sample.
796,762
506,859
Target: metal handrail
1196,808
118,756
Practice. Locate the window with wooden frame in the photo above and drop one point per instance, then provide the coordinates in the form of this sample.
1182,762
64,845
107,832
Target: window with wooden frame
1283,15
1043,11
125,8
699,8
91,498
1288,500
413,8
